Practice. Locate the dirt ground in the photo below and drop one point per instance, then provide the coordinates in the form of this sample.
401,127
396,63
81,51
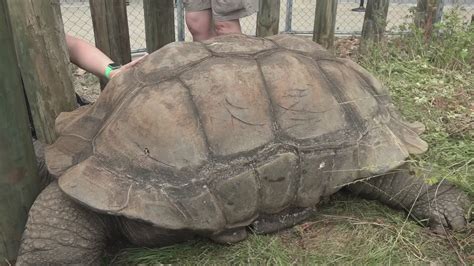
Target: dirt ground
86,84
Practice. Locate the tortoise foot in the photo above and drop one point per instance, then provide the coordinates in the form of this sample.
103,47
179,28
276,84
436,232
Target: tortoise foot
443,206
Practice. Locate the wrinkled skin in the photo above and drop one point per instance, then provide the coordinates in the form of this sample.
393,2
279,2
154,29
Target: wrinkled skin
440,206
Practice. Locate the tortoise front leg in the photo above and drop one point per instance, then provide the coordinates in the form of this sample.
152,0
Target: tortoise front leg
45,176
61,232
439,205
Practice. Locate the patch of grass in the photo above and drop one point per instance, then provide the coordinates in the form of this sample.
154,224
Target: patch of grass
433,82
354,231
348,230
268,249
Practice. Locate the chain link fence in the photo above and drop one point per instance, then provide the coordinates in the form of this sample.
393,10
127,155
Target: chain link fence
296,16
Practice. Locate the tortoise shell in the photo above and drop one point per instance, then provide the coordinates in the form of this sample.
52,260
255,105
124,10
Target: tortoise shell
208,136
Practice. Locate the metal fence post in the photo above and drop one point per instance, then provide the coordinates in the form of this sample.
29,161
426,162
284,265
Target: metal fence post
289,16
180,18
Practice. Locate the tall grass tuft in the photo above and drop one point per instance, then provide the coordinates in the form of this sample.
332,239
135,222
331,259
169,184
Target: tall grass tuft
432,81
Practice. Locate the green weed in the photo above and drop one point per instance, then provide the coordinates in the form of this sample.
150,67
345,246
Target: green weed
432,82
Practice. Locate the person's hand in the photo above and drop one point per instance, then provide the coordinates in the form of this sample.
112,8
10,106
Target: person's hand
127,66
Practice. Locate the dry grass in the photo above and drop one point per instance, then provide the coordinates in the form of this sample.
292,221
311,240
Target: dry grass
346,231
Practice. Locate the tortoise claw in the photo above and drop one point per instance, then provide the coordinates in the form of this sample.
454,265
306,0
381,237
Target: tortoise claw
443,206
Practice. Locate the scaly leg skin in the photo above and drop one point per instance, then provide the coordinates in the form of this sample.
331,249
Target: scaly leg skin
45,177
60,232
440,205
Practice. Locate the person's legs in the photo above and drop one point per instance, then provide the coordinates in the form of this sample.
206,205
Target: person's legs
199,19
226,14
200,15
200,24
227,27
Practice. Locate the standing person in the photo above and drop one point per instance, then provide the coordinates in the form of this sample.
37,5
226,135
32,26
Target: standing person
208,18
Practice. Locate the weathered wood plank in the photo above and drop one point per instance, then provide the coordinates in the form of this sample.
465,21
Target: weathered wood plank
268,18
325,22
375,21
44,62
109,19
19,183
428,12
159,23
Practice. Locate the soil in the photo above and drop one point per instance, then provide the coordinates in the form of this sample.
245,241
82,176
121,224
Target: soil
86,84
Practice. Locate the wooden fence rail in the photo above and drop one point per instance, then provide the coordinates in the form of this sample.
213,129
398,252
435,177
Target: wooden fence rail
19,182
109,19
44,62
159,23
375,21
325,22
428,12
268,18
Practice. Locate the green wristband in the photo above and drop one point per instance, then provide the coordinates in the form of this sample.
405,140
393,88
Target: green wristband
108,69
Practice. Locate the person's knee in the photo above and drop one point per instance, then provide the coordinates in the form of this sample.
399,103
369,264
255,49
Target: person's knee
199,24
228,27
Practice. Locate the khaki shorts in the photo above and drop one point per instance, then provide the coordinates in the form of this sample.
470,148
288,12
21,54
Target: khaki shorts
223,10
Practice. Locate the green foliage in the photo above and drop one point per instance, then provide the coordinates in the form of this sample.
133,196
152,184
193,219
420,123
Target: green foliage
450,46
257,250
432,82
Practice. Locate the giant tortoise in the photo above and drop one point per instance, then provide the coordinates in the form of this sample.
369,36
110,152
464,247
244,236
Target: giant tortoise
210,139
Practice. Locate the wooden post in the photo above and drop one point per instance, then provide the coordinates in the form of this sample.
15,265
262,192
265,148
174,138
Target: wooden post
268,18
159,23
44,62
19,182
325,22
428,12
109,19
375,21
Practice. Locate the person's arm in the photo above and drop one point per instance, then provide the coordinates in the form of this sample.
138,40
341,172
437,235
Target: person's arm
87,56
90,58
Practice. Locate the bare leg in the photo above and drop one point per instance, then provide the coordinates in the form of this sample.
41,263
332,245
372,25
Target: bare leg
60,232
440,205
228,27
200,24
